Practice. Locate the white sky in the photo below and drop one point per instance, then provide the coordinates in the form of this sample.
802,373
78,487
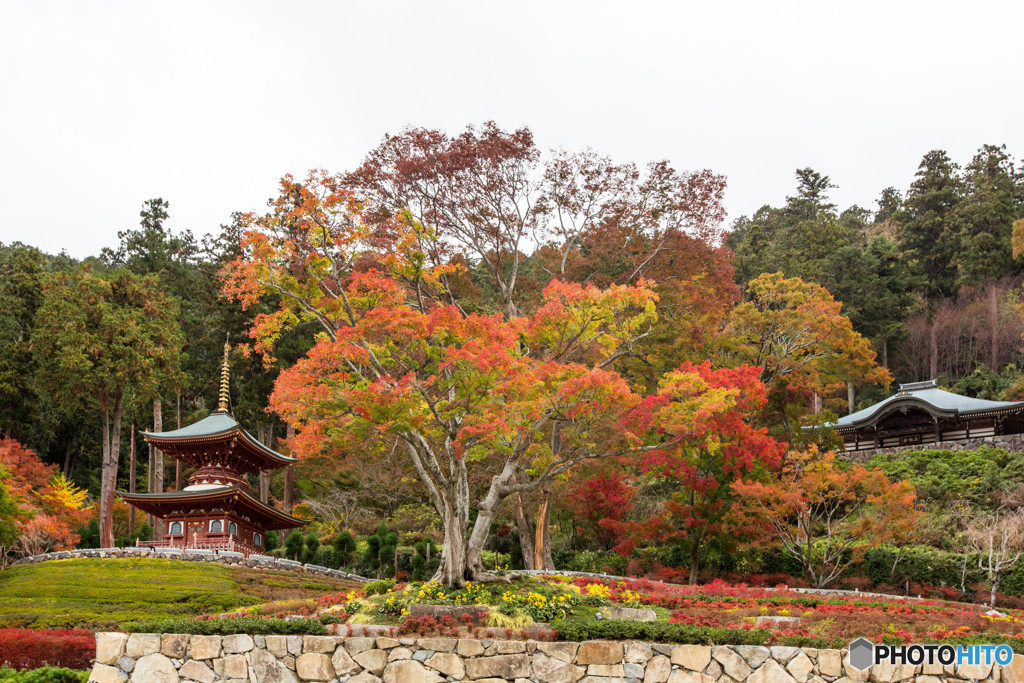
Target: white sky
207,104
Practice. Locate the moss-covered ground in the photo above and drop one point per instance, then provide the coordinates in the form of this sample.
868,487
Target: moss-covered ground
99,593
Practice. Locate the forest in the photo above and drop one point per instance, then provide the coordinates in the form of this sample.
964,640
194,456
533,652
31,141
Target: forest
488,355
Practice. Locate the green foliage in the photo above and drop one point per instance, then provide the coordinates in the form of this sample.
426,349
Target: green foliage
943,476
380,551
224,627
658,632
344,547
379,587
271,542
312,546
426,558
46,674
294,544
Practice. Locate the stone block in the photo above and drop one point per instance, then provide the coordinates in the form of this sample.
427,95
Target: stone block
399,653
277,645
357,645
154,668
733,664
386,643
753,655
770,672
692,657
1014,671
635,671
830,663
564,652
314,666
232,666
473,648
435,644
320,644
599,652
628,614
126,664
448,664
373,661
365,677
204,647
174,645
638,653
683,676
658,669
550,670
268,669
409,671
294,645
800,666
110,647
606,670
509,647
194,670
101,673
499,666
343,663
237,643
142,644
782,654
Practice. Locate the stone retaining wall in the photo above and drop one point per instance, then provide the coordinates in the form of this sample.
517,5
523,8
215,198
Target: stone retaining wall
218,556
151,658
1010,442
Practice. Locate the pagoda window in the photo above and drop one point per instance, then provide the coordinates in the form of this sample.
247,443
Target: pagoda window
175,529
216,526
257,540
232,528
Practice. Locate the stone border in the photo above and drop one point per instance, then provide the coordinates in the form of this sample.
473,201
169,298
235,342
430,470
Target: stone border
148,657
194,555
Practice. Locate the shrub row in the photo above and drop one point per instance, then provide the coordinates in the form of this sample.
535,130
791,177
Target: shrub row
22,648
228,626
46,674
659,632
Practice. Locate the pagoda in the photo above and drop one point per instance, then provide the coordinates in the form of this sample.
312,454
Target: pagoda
215,511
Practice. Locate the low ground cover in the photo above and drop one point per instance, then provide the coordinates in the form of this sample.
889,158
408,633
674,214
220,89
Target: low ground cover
102,594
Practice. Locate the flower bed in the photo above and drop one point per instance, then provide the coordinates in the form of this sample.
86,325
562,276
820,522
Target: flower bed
22,648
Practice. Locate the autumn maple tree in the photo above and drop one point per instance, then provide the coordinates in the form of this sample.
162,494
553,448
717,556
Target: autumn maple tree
826,513
709,413
49,507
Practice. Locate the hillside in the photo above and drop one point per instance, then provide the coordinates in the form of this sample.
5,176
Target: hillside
101,593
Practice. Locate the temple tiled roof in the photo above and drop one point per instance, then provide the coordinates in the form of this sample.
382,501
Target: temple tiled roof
927,396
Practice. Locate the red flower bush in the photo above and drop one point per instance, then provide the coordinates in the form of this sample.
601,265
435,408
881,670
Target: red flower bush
22,648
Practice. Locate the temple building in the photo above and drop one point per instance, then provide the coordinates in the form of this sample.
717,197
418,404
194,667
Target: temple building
921,414
215,511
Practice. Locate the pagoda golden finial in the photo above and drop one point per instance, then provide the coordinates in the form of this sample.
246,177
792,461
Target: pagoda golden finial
222,403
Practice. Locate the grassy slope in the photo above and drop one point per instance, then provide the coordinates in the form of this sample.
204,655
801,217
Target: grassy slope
100,593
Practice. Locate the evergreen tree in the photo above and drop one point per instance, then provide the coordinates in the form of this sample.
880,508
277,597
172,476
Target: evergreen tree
294,545
344,547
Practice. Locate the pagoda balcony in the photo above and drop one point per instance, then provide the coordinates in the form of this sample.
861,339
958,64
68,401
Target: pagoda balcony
229,544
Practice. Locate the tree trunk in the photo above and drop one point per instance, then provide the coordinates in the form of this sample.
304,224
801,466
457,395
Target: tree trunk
992,593
157,466
452,570
264,486
850,397
933,363
289,477
67,457
177,461
885,354
542,532
131,481
694,559
526,542
106,490
993,315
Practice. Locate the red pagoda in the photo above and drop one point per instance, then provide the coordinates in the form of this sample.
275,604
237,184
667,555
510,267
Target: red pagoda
215,510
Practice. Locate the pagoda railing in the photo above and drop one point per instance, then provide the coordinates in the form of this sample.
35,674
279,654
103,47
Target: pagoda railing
227,544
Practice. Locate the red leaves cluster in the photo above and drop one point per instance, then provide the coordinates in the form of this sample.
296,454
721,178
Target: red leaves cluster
23,648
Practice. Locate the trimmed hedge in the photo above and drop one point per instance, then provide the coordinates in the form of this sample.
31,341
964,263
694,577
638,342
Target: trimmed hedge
23,648
658,632
228,626
47,674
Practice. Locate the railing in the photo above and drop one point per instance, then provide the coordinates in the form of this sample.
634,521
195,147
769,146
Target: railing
227,544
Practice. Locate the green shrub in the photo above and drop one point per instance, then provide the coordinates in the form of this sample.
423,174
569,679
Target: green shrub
272,542
225,627
380,551
379,587
46,674
658,632
324,556
344,547
294,544
312,546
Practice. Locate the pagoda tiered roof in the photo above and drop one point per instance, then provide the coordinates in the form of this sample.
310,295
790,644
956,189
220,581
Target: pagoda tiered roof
227,499
218,438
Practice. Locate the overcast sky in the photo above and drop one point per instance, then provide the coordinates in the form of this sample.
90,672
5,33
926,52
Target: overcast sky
207,104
